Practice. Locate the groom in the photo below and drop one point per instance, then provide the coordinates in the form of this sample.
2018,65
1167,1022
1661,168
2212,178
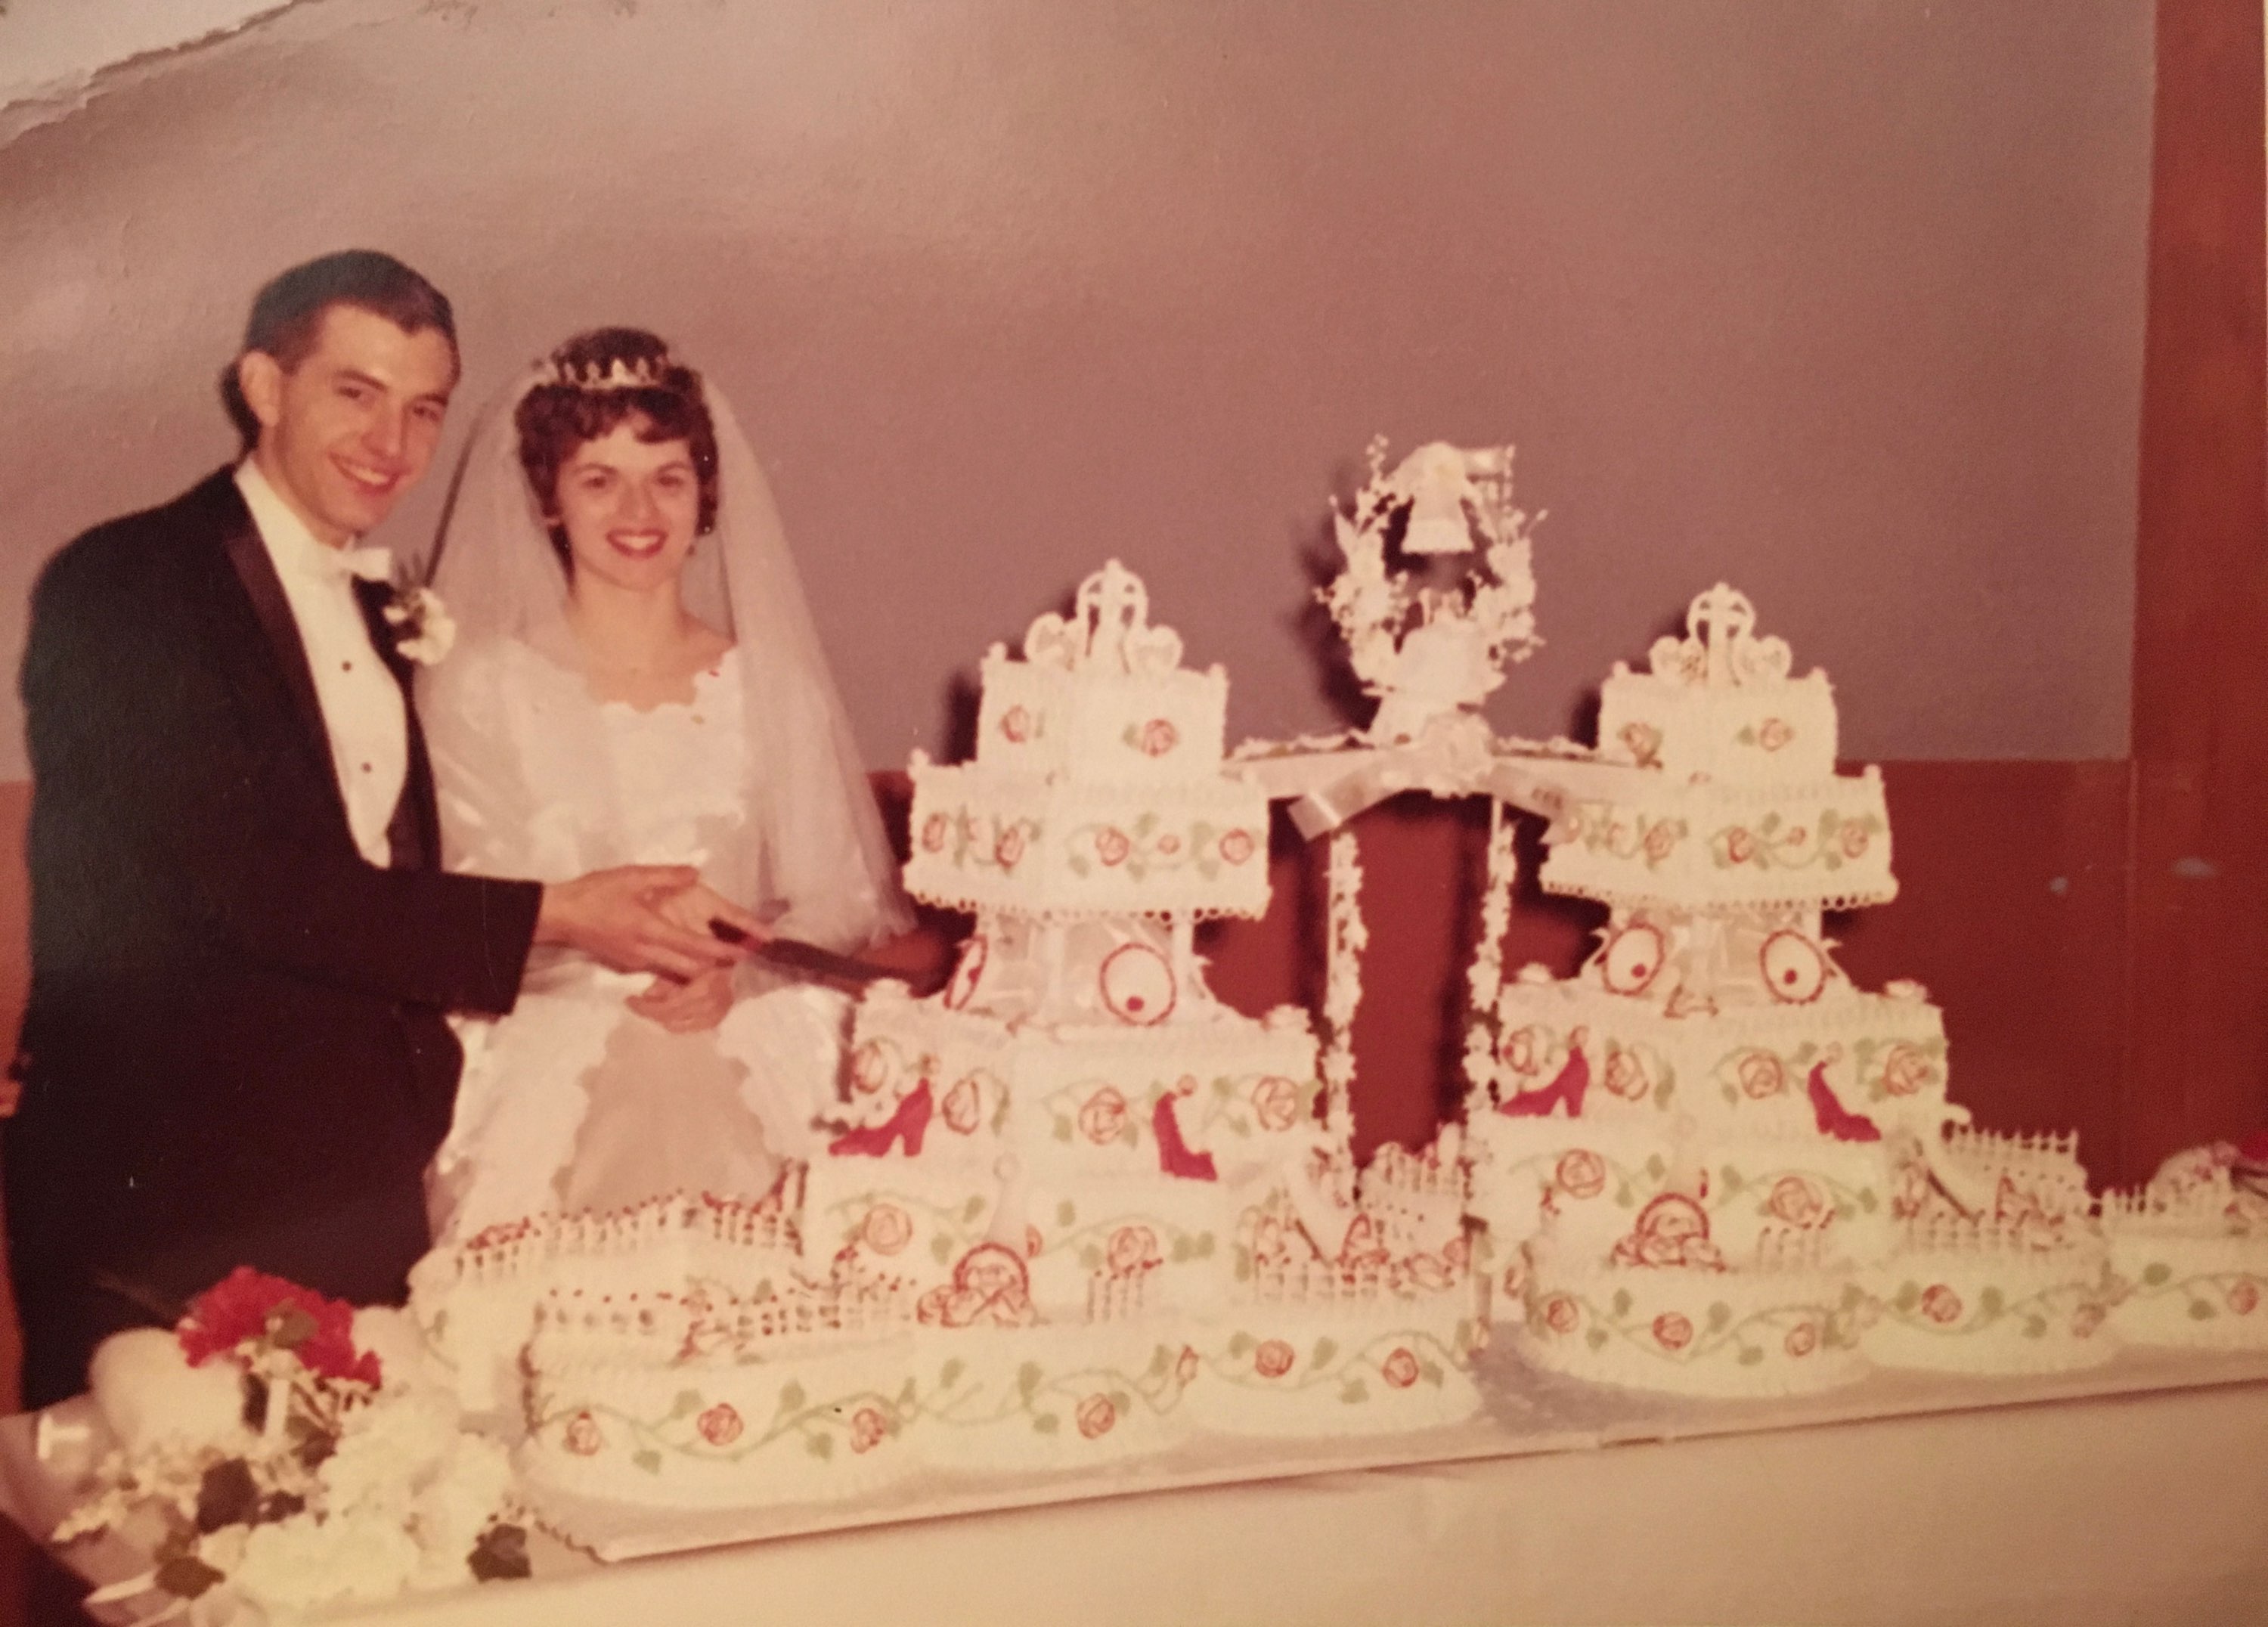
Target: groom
243,946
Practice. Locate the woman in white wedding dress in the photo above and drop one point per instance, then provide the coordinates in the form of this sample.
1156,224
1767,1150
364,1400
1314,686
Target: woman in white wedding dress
635,678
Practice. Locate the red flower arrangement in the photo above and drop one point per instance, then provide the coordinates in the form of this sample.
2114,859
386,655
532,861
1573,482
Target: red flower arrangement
249,1307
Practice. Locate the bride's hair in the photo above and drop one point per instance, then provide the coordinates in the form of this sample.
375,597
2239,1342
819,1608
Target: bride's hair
596,381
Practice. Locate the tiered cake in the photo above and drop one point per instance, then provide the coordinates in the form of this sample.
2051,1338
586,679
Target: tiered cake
1694,1158
1072,1208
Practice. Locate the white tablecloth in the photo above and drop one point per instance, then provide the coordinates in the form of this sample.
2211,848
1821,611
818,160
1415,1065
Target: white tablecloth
2146,1506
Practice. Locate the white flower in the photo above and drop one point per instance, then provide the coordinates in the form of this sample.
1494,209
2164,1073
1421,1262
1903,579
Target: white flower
305,1561
426,632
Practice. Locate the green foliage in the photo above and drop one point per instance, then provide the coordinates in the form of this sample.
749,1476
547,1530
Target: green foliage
648,1460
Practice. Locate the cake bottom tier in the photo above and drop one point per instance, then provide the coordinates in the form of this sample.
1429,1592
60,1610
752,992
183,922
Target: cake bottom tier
2195,1293
2008,1311
1697,1332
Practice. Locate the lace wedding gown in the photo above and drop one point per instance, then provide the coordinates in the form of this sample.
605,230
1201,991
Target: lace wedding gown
573,1102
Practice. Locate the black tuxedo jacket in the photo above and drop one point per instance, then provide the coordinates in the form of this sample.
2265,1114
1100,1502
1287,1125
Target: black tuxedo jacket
234,1051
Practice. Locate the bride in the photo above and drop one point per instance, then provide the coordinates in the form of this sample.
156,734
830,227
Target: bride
637,677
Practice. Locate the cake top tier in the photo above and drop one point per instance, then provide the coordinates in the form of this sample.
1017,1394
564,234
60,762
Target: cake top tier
1098,787
1720,704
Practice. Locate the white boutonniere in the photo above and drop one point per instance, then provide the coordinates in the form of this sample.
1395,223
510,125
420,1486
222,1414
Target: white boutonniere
423,631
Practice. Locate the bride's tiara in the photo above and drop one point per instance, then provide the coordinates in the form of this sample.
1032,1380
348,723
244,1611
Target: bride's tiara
646,373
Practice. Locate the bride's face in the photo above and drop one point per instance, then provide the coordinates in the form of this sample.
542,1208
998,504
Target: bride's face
629,508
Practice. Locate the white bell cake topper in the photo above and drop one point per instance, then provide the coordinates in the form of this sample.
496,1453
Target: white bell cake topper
1430,653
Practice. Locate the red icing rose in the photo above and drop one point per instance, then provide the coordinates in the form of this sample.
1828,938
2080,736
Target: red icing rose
1096,1415
1236,846
1796,1201
1399,1369
1643,742
1660,838
1158,737
933,833
1906,1070
2244,1296
1169,845
868,1426
1186,1368
1854,839
720,1426
1272,1360
1772,734
1803,1338
1103,1116
583,1437
1455,1252
1008,851
1740,846
963,1107
1624,1078
1517,1050
1016,724
1561,1314
2085,1321
1672,1331
886,1229
1940,1304
248,1305
1581,1174
1111,845
1132,1248
1275,1102
1762,1076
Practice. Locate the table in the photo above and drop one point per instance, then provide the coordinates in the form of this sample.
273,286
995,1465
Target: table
2136,1493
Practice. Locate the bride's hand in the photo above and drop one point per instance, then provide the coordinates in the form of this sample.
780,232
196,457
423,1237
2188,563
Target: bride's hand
692,1007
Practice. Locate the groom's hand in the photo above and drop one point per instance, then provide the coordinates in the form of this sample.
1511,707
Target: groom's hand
629,918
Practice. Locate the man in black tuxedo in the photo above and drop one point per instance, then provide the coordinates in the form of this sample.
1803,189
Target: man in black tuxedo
242,943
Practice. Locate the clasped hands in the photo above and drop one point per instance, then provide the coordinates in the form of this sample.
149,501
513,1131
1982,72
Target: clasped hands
655,918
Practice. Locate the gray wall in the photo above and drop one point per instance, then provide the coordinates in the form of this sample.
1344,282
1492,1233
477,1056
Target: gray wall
1842,301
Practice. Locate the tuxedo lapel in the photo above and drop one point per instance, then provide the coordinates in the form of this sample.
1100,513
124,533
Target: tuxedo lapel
248,555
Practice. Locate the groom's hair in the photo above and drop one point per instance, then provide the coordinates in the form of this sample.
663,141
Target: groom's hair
288,314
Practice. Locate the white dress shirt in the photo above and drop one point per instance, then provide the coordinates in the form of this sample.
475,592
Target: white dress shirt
362,704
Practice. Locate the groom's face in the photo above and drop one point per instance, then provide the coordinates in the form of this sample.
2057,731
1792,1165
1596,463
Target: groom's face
349,430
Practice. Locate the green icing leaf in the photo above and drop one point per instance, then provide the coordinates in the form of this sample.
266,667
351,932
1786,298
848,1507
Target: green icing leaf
791,1397
820,1446
2201,1310
1750,1355
1046,1423
648,1460
1027,1379
970,1210
1356,1390
1908,1295
686,1402
1325,1349
1990,1302
1621,1302
1065,1214
941,1248
1720,1314
1595,1338
2035,1327
948,1375
2157,1274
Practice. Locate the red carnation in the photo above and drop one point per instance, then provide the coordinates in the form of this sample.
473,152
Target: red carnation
250,1306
